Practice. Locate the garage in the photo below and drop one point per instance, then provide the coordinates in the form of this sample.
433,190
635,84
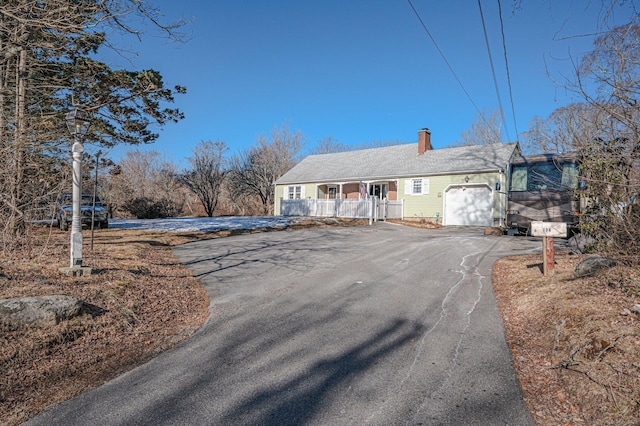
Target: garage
468,205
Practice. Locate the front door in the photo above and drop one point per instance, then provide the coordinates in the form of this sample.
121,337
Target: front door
379,190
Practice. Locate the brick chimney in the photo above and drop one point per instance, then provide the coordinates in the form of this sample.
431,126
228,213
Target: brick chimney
424,141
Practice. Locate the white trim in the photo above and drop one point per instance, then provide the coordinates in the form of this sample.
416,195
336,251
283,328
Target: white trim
287,192
467,185
424,186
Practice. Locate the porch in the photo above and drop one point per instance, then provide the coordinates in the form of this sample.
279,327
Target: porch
372,208
383,189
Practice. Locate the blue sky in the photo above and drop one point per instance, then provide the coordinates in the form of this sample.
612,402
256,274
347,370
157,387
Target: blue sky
359,71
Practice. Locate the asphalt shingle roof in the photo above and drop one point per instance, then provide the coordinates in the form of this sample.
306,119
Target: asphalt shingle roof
398,161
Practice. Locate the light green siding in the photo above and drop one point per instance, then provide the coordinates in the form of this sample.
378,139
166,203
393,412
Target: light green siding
309,191
431,205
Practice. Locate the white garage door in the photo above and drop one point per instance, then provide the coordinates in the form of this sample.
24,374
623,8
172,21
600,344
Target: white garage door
468,206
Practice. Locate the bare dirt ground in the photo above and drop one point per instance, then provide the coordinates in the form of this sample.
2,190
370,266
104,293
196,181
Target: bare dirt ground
575,351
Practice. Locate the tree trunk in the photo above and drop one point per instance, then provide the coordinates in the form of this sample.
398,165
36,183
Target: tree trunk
17,224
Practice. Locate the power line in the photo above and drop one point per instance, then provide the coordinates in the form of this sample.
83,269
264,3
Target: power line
447,62
493,71
506,63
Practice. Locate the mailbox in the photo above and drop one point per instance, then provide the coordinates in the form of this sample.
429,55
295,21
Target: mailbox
549,229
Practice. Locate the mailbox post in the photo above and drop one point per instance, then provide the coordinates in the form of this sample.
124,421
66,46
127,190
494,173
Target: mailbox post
548,255
548,230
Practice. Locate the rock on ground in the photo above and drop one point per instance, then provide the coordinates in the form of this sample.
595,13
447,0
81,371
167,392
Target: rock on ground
39,311
591,265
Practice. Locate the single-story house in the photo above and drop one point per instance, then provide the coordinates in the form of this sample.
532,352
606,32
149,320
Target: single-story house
453,186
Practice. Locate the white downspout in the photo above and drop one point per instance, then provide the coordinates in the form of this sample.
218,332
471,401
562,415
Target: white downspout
501,194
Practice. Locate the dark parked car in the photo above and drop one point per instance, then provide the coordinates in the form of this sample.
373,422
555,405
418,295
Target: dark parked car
65,212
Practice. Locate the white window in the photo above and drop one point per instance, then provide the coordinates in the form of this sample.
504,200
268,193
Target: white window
295,192
416,186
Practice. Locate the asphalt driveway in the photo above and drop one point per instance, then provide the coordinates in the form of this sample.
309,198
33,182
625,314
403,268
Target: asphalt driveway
376,325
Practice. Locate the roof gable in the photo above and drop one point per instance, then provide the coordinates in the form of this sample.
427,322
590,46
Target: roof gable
399,161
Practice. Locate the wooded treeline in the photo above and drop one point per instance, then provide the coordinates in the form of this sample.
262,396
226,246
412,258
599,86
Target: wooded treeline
146,185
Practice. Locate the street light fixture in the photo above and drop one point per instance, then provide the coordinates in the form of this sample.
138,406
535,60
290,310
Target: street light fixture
78,124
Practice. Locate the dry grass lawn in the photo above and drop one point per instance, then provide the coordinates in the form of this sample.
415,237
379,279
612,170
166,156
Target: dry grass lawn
575,352
142,301
574,346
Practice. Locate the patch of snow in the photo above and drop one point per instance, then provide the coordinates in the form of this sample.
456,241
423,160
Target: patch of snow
205,224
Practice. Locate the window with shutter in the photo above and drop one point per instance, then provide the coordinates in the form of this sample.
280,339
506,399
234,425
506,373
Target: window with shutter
417,186
425,186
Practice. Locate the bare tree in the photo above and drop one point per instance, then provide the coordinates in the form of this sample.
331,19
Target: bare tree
329,145
145,185
255,170
207,173
564,130
485,129
170,194
608,79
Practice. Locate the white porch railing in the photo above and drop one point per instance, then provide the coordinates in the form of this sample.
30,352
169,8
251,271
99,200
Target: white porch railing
371,208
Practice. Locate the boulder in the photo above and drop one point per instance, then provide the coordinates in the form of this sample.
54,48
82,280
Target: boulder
592,264
40,311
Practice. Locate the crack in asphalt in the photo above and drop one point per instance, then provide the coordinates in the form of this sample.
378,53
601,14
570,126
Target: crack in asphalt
471,276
